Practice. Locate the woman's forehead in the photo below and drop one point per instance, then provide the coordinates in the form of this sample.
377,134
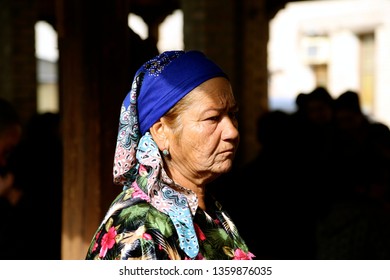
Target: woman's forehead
217,89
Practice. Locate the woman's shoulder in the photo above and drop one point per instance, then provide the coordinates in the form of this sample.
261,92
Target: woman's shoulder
128,231
136,208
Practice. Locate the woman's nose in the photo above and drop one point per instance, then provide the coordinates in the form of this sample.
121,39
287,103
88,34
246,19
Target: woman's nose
230,130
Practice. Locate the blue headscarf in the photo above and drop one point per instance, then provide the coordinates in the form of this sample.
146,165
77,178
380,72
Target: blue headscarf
167,78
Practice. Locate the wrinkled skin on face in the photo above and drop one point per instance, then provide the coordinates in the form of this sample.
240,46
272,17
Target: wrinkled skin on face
205,146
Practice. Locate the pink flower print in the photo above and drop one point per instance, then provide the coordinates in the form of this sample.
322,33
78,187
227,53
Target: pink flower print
95,246
139,193
96,243
241,255
199,256
107,242
147,236
199,232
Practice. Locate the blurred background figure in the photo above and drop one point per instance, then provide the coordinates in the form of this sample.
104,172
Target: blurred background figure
37,167
30,186
362,146
10,135
357,223
10,130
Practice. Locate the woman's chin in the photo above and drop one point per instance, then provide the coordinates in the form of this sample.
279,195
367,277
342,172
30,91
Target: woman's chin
225,166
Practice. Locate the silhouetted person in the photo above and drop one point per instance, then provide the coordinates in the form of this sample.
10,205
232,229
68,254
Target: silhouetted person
356,227
10,195
361,143
10,130
37,166
312,142
274,193
271,198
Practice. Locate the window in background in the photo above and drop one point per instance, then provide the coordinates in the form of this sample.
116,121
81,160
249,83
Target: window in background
367,56
47,74
170,30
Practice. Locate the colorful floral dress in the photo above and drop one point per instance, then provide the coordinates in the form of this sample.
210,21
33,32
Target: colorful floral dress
136,230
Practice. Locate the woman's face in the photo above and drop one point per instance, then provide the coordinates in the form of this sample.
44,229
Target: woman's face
208,139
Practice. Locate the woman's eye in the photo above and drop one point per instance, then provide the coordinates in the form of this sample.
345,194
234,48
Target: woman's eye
213,118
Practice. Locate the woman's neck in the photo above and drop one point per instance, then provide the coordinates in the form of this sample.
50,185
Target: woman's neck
198,189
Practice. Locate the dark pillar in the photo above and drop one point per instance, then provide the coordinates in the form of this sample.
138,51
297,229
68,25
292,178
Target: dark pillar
93,71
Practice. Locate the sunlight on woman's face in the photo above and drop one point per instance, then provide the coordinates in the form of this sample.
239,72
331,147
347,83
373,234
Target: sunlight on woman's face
209,139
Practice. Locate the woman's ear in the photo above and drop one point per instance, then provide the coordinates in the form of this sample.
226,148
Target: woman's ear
157,130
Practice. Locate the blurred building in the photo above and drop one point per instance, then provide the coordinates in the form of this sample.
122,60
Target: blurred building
342,45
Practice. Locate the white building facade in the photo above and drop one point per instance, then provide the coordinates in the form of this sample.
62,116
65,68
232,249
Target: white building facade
340,44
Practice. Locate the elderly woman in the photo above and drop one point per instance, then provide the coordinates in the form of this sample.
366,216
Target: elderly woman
177,132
